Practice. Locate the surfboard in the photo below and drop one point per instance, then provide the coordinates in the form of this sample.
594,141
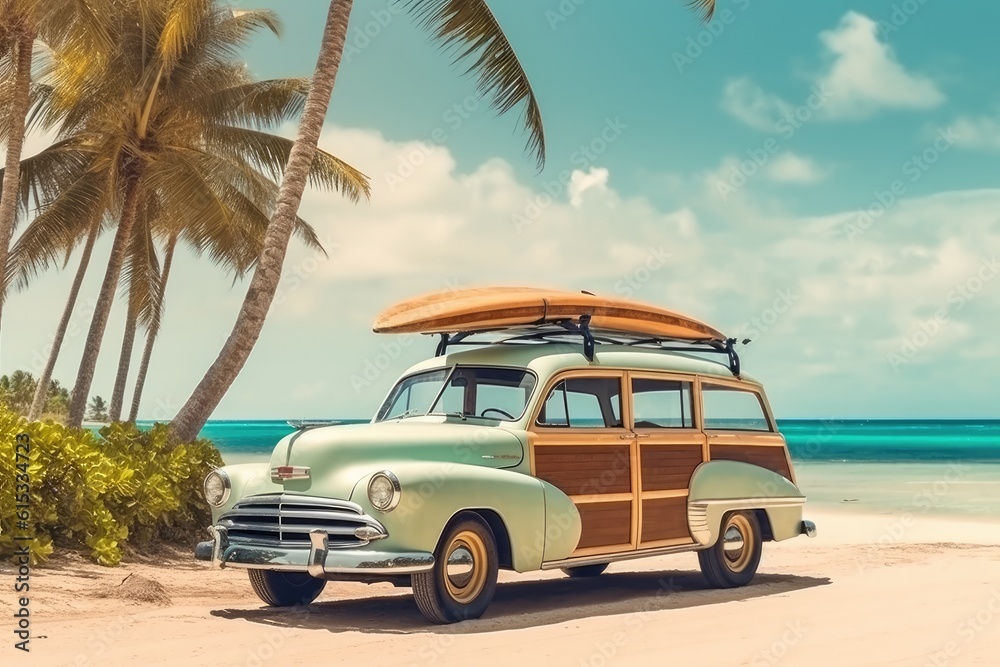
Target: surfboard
498,308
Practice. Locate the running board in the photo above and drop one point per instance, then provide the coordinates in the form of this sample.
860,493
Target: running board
614,558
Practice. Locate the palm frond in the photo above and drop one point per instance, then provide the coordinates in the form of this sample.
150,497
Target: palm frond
140,276
704,7
258,104
57,227
269,153
184,19
45,175
239,193
76,26
469,28
248,21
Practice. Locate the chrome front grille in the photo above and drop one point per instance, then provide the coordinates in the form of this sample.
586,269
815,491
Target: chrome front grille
286,520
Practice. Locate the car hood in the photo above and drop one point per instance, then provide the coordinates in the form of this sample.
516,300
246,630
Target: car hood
415,439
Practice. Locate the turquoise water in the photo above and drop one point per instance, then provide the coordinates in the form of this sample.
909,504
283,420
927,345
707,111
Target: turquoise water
840,440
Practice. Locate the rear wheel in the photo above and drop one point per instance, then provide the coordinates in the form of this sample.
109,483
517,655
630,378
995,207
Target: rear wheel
464,578
732,561
285,589
582,571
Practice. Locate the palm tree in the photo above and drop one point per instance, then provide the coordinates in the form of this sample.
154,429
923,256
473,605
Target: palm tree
153,329
234,246
140,278
466,25
38,403
73,26
170,118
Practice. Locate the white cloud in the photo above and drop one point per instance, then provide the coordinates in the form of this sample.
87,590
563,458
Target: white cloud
581,181
854,301
978,132
794,169
860,76
863,74
747,102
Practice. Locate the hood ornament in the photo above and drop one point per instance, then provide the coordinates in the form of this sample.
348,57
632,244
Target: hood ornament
306,424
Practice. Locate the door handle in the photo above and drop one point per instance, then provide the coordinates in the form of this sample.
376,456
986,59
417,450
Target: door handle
634,435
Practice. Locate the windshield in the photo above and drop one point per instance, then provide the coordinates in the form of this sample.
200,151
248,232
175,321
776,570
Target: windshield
463,391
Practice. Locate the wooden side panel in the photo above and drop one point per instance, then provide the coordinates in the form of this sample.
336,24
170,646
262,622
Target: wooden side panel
585,469
605,524
771,457
668,467
664,519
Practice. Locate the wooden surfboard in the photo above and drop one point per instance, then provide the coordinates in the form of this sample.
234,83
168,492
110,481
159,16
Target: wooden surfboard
498,308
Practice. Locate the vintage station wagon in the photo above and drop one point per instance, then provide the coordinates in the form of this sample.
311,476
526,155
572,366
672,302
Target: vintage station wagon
573,432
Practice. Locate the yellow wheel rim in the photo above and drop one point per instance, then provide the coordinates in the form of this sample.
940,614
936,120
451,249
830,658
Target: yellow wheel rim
737,542
465,567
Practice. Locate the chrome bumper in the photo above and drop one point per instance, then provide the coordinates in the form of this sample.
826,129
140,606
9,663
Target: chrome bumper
318,560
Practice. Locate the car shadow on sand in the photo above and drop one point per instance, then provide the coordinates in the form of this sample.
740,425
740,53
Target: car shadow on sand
524,604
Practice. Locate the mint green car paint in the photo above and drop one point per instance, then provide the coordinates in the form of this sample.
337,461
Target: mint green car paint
746,486
448,464
434,493
562,525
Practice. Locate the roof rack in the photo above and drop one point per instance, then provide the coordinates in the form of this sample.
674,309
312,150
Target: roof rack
554,332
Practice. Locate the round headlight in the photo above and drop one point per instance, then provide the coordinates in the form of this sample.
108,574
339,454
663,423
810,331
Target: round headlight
217,488
383,491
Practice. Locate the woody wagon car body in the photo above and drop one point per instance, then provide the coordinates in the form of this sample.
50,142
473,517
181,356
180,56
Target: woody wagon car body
574,432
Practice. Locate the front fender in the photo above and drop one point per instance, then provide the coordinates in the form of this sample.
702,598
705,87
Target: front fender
432,493
718,487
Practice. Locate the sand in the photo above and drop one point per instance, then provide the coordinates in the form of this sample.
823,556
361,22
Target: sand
895,589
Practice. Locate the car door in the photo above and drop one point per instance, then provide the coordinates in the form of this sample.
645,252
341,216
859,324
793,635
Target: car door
579,443
670,446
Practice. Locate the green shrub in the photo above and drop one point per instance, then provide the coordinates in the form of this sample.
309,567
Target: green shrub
125,486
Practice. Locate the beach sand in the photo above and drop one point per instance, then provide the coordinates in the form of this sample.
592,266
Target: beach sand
901,589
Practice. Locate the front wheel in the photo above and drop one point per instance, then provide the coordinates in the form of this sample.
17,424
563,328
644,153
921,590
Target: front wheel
464,578
732,561
285,589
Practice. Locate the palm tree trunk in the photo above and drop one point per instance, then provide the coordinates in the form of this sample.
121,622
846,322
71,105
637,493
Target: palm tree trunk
154,330
15,141
105,299
41,393
124,361
250,321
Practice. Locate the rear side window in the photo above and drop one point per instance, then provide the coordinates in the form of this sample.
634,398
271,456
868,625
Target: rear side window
583,403
661,403
731,409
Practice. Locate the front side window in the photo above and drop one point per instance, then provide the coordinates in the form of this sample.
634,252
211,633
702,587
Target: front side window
583,403
463,391
732,409
662,403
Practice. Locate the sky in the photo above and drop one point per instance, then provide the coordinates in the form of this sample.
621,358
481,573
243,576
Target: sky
817,177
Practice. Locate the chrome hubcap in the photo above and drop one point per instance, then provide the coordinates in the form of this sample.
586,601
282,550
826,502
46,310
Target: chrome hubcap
734,543
460,566
465,567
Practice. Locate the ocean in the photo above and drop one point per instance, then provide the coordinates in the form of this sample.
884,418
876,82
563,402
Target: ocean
927,466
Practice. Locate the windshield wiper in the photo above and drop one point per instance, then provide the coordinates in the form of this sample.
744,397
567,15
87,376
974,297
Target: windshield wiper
412,412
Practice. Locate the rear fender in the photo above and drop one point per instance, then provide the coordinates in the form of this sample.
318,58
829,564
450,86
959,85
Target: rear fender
718,487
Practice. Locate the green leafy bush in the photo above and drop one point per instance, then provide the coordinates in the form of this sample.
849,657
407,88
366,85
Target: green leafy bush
125,486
